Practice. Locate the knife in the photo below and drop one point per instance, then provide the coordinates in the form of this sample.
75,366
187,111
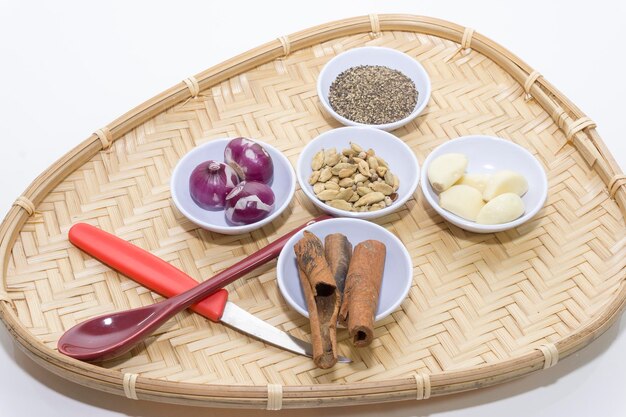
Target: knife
165,279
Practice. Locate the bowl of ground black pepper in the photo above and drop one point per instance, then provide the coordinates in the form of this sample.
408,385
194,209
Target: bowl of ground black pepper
374,86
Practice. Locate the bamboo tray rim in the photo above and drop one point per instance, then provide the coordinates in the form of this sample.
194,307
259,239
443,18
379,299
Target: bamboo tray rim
578,128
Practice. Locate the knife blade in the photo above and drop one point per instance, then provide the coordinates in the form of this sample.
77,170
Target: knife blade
165,279
238,318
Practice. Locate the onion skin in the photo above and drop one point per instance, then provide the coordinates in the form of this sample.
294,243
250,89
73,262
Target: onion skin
209,184
249,202
250,160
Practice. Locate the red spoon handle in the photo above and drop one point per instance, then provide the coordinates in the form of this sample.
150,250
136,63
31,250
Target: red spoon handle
160,276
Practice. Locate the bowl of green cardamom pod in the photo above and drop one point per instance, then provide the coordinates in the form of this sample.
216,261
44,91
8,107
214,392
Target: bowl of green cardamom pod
357,171
375,87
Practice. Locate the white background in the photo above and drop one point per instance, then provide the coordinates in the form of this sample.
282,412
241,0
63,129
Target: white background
68,68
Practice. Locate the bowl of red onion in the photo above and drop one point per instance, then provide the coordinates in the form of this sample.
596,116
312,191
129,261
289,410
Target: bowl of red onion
232,185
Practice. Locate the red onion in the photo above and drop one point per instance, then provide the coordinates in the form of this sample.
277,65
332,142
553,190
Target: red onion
249,202
250,160
210,182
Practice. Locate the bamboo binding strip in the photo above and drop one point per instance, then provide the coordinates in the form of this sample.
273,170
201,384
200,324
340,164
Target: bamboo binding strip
274,396
193,86
375,23
483,309
466,43
286,44
26,204
422,386
105,137
532,77
550,353
129,383
619,180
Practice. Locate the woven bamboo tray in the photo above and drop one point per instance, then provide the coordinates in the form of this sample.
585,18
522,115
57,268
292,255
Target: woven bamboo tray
483,309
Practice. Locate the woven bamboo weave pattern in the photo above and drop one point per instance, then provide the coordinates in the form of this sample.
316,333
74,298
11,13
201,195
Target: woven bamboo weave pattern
475,299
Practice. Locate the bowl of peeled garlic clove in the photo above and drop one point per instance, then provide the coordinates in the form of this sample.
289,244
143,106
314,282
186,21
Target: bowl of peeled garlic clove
484,184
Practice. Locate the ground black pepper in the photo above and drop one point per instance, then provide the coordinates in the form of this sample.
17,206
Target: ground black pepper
373,94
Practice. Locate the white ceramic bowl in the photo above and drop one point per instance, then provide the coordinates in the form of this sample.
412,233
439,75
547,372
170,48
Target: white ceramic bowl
488,154
375,55
395,152
397,276
283,185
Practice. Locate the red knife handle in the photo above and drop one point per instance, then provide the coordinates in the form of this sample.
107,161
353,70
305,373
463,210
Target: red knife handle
163,278
142,266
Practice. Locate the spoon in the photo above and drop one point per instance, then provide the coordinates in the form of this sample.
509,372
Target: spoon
111,335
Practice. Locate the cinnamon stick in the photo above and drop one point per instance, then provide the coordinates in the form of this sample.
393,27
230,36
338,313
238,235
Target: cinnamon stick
310,256
360,298
322,298
338,251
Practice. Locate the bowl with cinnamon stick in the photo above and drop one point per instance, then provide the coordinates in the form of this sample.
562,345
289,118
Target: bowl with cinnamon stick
343,273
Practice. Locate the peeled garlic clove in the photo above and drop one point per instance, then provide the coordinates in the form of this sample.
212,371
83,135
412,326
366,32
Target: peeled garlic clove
505,182
445,170
502,209
462,200
478,181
